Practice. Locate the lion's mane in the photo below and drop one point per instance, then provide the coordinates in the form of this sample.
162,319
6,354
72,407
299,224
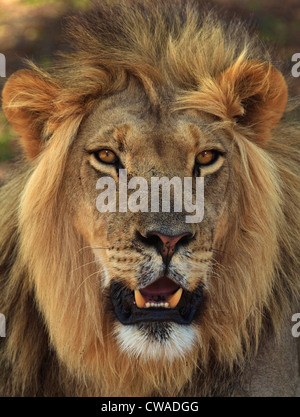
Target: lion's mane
49,305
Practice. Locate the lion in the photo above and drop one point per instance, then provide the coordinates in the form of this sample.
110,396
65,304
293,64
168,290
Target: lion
143,303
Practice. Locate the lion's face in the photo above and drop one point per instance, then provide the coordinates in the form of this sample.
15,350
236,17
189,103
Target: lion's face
125,291
155,266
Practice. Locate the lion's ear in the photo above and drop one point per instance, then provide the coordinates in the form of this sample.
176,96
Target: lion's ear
255,95
28,101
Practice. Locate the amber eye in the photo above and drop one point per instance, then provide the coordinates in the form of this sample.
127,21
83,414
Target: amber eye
207,157
107,156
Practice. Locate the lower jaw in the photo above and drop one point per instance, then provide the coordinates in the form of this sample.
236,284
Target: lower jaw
128,313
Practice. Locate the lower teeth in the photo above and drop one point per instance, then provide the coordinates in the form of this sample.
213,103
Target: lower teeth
156,305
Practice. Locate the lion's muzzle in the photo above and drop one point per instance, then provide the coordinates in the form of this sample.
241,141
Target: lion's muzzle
163,300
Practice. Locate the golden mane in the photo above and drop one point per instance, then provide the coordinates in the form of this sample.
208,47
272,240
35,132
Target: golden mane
256,266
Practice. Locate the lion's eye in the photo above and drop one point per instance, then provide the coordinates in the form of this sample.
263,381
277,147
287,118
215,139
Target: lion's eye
107,156
207,157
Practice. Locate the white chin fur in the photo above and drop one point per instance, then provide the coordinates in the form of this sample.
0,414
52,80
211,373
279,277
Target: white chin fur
135,343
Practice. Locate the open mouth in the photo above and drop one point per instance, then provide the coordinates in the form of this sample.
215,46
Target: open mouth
163,300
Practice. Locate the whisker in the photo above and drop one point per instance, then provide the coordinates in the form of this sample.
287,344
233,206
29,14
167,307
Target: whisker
81,266
94,273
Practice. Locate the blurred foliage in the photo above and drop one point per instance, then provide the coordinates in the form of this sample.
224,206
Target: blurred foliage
7,150
273,29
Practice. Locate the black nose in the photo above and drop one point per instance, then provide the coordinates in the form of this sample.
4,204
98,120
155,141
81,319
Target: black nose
167,245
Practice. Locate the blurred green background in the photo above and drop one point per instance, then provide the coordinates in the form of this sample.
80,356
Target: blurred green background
33,29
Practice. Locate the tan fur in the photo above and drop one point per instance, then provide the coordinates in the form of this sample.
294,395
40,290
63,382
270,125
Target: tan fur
157,88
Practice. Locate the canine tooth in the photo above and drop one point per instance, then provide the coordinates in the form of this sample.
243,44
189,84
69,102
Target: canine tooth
166,305
139,299
174,299
147,305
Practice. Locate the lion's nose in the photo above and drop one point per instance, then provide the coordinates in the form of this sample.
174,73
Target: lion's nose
167,245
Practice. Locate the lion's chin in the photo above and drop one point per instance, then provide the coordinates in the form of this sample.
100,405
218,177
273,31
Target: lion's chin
170,303
156,341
